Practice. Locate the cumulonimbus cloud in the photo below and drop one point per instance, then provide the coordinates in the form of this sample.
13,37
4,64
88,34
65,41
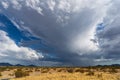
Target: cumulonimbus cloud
69,27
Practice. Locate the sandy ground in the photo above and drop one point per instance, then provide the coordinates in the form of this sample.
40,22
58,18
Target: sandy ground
7,75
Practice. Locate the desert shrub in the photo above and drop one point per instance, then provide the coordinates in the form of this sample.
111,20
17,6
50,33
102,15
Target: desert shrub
26,68
54,69
11,74
59,70
0,74
113,70
79,70
90,73
3,69
99,75
30,71
70,70
118,78
44,70
104,70
19,73
37,70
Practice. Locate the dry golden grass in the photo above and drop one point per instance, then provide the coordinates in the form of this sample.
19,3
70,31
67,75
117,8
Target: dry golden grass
36,73
69,76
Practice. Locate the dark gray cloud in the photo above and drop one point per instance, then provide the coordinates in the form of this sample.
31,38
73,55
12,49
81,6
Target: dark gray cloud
68,28
109,36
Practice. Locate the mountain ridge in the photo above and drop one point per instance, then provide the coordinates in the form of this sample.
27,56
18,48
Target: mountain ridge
31,65
8,64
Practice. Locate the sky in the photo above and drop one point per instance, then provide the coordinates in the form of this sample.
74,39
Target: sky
60,32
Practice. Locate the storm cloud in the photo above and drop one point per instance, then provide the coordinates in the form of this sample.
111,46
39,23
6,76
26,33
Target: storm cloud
79,32
109,36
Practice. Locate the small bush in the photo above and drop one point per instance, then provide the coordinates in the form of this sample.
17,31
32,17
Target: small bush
3,69
113,70
37,70
59,70
99,75
30,71
0,74
90,73
11,74
79,70
45,71
20,73
70,70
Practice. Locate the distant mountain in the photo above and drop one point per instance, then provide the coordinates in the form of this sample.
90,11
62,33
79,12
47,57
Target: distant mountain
5,64
25,65
115,65
8,64
110,65
18,65
31,65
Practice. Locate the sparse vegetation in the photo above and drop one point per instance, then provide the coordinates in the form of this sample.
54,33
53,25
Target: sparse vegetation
113,70
90,73
0,74
44,70
70,70
79,70
99,75
63,73
19,73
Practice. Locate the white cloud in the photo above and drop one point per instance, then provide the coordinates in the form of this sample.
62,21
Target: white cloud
16,4
51,4
34,4
83,44
5,4
9,49
64,6
102,59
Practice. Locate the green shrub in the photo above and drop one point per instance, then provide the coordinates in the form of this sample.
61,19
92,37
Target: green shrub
19,73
